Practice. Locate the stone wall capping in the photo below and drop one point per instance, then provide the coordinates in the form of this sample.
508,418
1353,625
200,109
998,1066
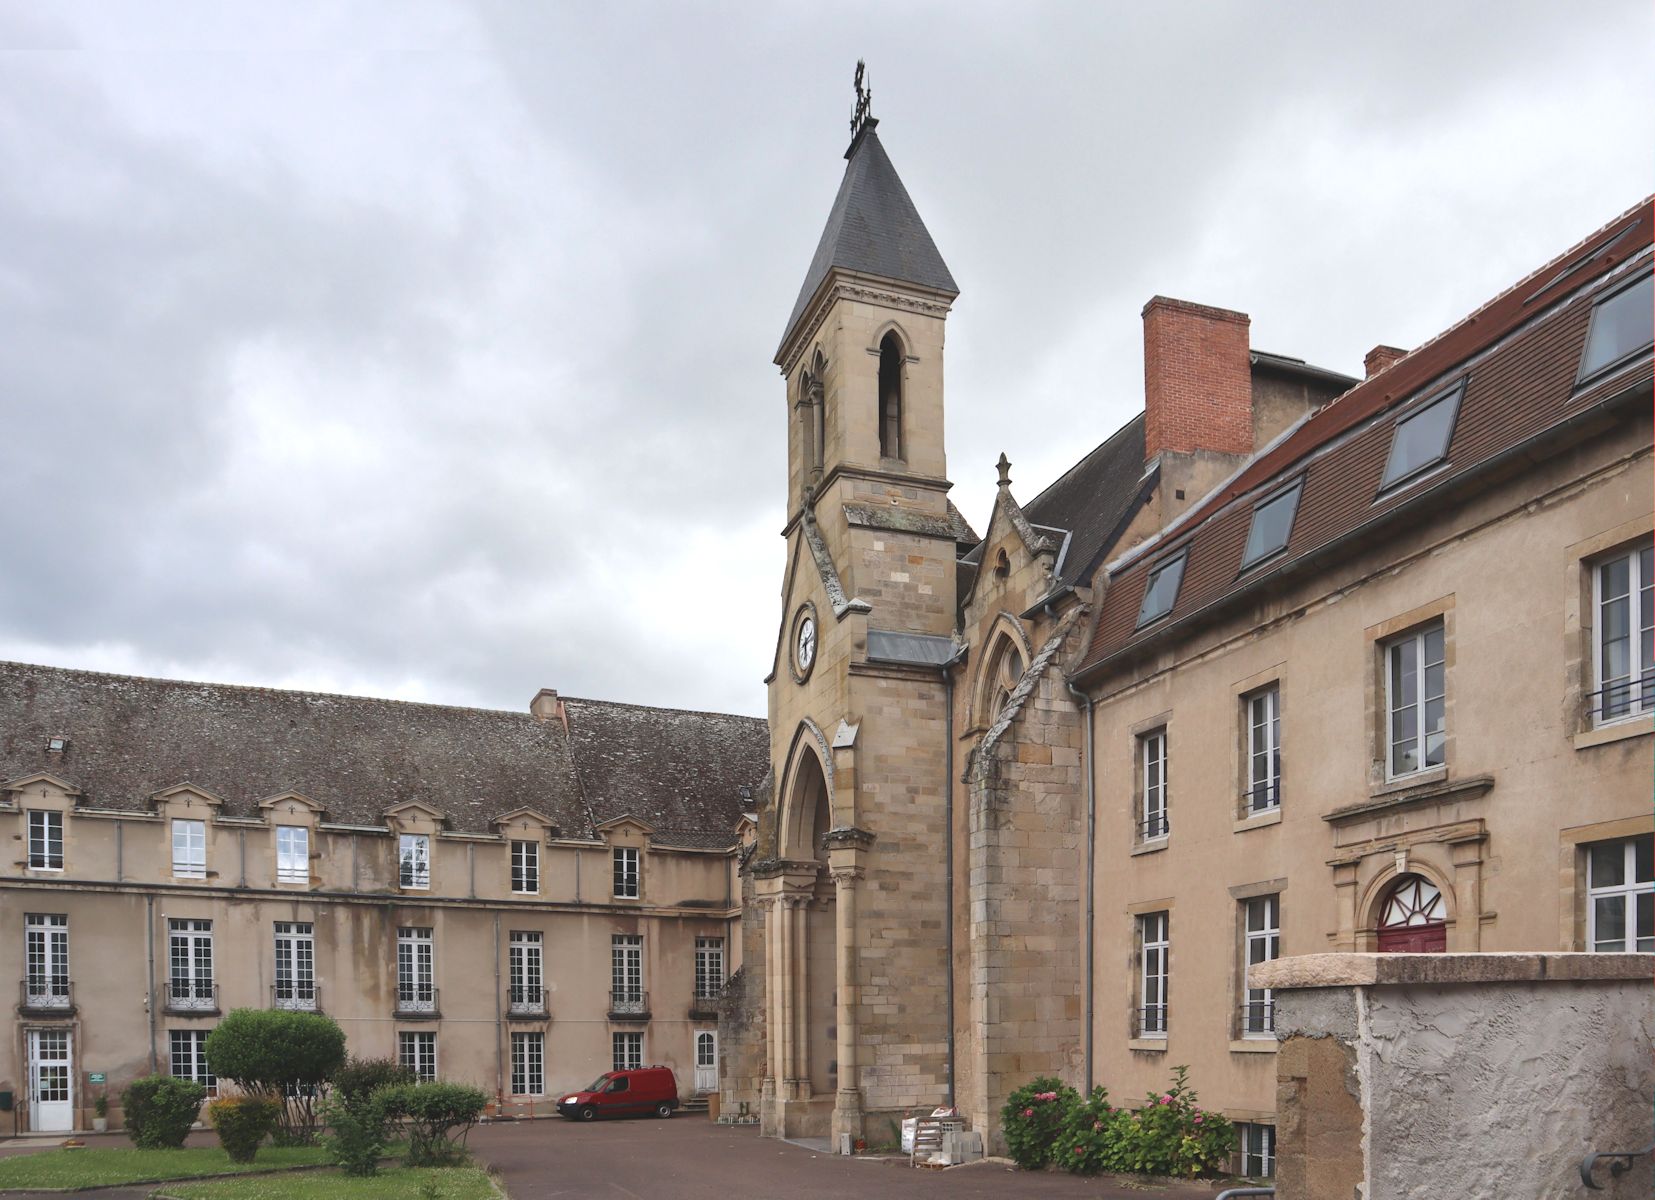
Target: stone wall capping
1447,790
1380,970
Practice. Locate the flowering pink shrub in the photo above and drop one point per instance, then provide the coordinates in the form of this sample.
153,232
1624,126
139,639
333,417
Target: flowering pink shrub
1033,1117
1169,1135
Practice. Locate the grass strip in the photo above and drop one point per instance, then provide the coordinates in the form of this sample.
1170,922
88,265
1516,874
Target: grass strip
114,1165
394,1183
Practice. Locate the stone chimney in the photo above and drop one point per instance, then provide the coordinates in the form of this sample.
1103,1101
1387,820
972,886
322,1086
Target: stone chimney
546,706
1381,357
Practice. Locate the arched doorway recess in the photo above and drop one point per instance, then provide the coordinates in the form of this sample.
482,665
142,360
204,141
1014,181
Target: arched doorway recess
1413,918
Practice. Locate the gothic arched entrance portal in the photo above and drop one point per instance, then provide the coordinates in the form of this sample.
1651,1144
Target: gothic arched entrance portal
1413,918
807,959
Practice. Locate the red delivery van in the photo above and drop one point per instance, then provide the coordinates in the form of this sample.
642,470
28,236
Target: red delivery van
624,1094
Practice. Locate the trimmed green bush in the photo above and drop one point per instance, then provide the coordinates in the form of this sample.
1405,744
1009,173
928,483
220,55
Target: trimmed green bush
1171,1135
286,1056
1033,1117
438,1117
159,1110
361,1077
242,1123
1085,1144
358,1132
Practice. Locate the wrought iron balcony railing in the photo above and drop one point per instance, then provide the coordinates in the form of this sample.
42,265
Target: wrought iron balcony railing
1261,798
297,996
1625,698
629,1004
1154,826
527,1004
704,998
191,996
1151,1020
1258,1018
418,1002
46,995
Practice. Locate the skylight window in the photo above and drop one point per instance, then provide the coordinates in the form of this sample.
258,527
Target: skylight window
1161,590
1272,523
1421,438
1621,327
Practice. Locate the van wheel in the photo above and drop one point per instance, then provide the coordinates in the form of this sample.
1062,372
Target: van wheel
663,1111
588,1112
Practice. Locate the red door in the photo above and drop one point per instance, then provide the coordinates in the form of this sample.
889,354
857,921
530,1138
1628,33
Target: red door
1413,919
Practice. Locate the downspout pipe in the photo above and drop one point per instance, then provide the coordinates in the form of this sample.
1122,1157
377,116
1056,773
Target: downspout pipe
948,847
1085,702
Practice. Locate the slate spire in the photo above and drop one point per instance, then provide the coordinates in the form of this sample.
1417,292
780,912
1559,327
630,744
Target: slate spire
873,229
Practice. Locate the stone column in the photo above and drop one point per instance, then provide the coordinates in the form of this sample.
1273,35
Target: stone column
770,1089
847,1101
786,1076
801,996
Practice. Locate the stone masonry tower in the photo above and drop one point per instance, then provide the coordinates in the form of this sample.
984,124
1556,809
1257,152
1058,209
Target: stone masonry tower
851,872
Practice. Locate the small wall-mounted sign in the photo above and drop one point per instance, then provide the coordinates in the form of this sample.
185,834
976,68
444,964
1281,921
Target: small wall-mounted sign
95,1077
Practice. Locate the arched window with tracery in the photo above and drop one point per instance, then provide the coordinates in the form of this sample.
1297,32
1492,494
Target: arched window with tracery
1005,669
1414,918
890,396
816,399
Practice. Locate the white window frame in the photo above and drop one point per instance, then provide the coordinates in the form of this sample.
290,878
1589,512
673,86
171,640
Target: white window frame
416,970
626,968
1258,1146
525,972
1610,366
628,882
1626,892
1154,966
45,833
1261,945
417,1050
46,960
1640,679
1414,644
190,964
528,1064
189,848
525,868
293,854
1154,821
296,951
626,1050
1263,715
709,967
193,1043
414,862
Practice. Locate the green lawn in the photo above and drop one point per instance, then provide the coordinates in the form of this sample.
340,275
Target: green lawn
101,1167
393,1183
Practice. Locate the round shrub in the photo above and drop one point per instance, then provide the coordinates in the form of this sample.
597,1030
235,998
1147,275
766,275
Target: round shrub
438,1116
1033,1117
286,1056
242,1123
1086,1143
361,1077
159,1110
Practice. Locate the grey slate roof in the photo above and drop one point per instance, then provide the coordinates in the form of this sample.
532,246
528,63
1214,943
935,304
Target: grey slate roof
357,756
1090,499
874,229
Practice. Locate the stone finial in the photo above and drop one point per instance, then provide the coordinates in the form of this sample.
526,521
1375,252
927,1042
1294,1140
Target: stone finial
1004,467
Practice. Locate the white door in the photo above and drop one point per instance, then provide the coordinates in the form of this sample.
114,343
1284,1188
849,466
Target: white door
50,1074
706,1061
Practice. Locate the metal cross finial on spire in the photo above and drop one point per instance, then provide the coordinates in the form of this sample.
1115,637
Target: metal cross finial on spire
1004,466
862,117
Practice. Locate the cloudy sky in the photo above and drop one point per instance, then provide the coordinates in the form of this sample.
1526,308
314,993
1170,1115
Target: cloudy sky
423,349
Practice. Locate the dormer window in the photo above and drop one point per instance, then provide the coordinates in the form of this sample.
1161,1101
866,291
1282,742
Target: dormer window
1421,438
57,744
414,861
1161,590
890,396
1272,524
1620,328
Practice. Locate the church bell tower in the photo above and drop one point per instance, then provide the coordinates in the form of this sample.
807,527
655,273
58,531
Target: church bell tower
852,869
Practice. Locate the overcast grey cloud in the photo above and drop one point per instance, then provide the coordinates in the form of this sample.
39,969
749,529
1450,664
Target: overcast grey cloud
424,349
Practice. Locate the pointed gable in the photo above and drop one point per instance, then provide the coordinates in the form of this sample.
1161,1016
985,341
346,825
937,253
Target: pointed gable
873,229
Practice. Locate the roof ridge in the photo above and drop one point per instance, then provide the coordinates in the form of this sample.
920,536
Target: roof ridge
1084,458
662,708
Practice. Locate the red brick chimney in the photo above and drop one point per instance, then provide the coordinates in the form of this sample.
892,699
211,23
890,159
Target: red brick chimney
1381,357
1198,380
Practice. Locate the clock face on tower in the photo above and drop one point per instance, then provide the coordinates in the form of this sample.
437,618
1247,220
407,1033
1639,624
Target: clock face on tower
804,645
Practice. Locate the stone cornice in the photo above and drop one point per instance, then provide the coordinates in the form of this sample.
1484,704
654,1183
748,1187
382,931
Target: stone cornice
848,837
1468,788
868,289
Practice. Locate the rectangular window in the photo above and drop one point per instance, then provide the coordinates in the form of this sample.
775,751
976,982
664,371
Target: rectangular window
528,1064
1421,438
709,967
1620,896
45,840
416,974
1263,714
418,1052
1272,525
46,960
295,985
525,868
1262,936
189,1057
190,965
1154,947
292,854
526,983
1620,328
628,1050
626,873
1624,597
626,972
414,858
1161,590
1258,1150
189,849
1415,687
1152,764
